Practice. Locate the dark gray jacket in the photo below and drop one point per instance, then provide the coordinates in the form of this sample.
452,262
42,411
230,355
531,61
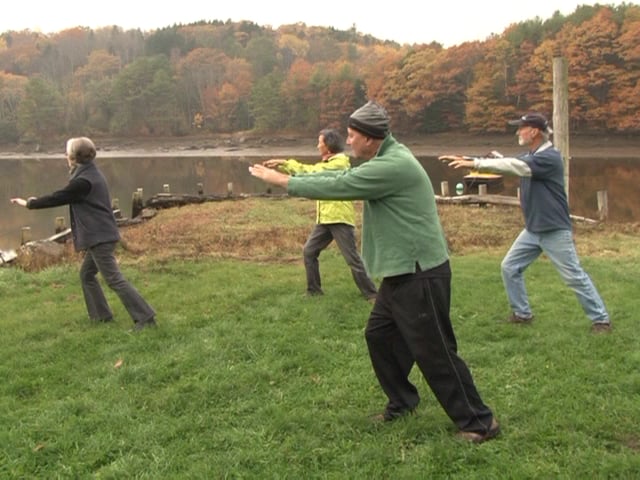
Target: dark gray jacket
91,215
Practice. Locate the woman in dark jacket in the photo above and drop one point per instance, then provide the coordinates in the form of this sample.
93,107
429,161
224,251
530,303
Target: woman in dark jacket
95,232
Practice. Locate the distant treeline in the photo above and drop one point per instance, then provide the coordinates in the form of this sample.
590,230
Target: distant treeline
236,76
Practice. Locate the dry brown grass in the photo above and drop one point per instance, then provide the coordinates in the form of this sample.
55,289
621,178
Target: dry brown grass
256,229
263,229
275,229
39,255
471,229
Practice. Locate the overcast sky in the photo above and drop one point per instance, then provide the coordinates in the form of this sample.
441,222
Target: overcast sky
405,21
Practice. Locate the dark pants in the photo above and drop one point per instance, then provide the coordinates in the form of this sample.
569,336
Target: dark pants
410,324
100,258
344,235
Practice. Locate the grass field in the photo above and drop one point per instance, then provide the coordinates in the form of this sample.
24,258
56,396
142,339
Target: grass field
245,377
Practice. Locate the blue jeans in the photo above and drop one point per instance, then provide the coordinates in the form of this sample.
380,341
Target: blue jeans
559,247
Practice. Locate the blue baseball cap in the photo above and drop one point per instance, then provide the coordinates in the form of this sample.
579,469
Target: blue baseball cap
534,119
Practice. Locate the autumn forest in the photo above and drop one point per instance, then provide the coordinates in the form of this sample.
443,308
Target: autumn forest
224,77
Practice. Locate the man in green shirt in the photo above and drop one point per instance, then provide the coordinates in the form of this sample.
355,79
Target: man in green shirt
402,242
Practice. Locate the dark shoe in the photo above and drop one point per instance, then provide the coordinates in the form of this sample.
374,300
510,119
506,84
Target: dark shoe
601,327
475,437
390,416
151,322
314,293
104,320
515,318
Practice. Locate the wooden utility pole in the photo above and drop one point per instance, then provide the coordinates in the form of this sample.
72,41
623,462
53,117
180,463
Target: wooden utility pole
561,113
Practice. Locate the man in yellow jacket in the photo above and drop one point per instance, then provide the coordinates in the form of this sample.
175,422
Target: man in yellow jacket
335,220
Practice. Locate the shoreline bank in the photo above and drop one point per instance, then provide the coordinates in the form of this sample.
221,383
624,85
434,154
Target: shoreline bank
296,145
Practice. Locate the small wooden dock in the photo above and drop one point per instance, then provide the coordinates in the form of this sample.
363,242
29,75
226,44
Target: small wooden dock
474,180
475,199
483,199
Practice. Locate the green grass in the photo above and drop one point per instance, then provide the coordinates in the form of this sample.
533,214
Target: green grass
248,378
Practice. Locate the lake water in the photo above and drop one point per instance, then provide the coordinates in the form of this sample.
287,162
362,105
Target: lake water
37,176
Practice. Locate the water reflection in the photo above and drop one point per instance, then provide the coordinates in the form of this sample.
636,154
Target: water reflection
29,176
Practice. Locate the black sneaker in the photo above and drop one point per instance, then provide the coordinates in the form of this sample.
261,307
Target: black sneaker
390,416
151,322
515,318
601,327
475,437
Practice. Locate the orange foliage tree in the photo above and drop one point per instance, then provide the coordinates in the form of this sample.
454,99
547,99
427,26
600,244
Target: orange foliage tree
488,104
624,105
12,91
590,49
239,76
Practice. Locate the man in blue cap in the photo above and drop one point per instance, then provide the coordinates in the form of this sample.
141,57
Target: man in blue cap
548,227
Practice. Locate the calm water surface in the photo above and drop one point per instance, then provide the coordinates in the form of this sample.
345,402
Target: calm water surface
38,176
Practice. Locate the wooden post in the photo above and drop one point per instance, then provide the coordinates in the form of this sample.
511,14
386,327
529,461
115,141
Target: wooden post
482,189
200,189
165,188
115,206
444,189
229,189
136,203
561,113
25,235
59,225
603,205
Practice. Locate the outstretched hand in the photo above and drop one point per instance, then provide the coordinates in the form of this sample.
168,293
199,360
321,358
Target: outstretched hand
456,161
268,175
19,201
273,162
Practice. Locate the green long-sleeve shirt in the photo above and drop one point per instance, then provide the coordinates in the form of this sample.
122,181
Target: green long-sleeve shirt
400,225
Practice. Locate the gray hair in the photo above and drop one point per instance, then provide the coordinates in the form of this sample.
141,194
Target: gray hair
333,140
81,150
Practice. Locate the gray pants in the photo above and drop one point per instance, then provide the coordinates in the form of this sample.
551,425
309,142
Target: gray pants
100,258
344,235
